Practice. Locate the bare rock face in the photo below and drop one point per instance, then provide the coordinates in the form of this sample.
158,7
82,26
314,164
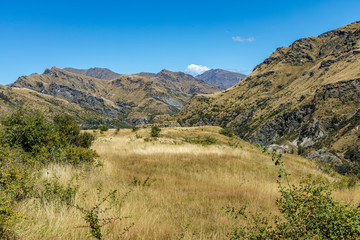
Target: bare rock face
307,94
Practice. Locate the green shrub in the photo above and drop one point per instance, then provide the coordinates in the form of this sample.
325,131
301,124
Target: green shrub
85,140
227,132
67,129
78,155
103,128
155,131
135,128
47,141
30,131
52,191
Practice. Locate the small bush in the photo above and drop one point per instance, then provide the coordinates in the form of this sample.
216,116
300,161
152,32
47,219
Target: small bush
227,132
155,132
52,191
134,128
103,128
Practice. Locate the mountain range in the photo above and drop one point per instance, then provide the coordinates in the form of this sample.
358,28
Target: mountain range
133,98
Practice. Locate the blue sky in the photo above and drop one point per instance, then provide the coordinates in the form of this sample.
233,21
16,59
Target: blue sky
136,36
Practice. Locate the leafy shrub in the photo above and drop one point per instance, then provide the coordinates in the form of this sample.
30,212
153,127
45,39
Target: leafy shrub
135,128
84,140
227,132
103,128
28,131
67,129
47,141
52,191
308,210
78,155
155,131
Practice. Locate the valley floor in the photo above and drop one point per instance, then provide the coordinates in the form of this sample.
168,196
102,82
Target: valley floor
194,181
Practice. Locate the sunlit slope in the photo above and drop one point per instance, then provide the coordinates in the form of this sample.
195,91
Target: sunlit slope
307,94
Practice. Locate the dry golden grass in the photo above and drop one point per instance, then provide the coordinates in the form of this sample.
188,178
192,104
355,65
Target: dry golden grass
193,183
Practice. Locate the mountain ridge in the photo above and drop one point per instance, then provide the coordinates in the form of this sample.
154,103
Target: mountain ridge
96,72
305,95
134,98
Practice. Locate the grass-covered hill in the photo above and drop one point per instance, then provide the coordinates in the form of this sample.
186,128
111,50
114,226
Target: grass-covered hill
132,98
306,95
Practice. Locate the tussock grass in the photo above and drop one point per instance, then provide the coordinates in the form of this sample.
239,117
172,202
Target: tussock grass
193,183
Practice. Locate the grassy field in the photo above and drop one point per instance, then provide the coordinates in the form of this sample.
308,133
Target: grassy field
194,181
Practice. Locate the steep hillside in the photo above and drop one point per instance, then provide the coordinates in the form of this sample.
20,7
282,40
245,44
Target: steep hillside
101,73
11,98
221,77
306,95
133,98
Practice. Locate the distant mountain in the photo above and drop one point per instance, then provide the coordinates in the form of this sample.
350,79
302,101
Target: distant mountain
146,74
221,77
306,95
131,97
100,73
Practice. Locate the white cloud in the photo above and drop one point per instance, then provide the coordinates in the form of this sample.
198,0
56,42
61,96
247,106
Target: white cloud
194,69
241,39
